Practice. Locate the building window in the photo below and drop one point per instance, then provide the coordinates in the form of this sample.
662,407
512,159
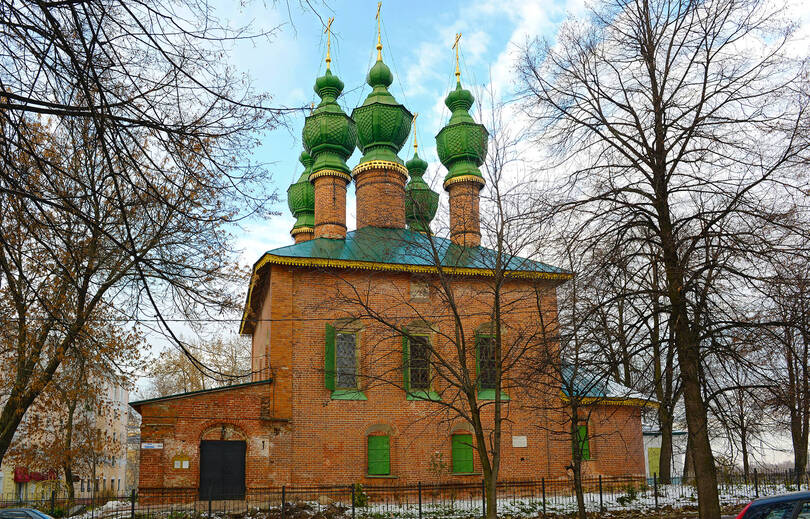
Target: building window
119,484
346,361
583,442
419,363
485,350
341,362
462,453
81,482
379,456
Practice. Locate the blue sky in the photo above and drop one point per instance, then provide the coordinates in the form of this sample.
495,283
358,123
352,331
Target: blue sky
417,37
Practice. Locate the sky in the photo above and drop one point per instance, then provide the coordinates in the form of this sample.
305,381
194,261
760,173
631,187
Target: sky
417,37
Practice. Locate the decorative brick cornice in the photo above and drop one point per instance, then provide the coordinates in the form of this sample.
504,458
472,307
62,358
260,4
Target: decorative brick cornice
465,178
300,230
330,173
380,164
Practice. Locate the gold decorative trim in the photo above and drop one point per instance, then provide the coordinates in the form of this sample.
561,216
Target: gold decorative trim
299,230
380,164
613,400
330,173
464,178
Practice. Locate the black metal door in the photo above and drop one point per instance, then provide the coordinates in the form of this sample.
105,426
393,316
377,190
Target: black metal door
222,469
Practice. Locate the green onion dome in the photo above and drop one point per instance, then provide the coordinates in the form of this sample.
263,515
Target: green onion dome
383,125
462,143
301,198
329,134
421,202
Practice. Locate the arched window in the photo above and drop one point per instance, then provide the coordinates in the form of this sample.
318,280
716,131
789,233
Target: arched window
486,362
342,360
417,353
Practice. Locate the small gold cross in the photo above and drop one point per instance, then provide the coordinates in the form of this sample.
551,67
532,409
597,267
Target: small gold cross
456,46
379,40
413,123
328,32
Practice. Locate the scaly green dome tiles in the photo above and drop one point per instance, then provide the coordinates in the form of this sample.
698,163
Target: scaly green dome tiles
383,125
462,144
421,202
301,198
329,134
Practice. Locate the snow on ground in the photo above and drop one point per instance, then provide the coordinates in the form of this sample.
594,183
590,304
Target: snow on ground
673,496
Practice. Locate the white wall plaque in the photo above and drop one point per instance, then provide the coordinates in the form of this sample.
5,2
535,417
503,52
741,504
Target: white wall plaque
519,441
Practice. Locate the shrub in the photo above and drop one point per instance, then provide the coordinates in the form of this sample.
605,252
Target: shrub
360,499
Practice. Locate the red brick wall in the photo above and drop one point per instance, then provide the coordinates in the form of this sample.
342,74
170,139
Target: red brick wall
329,436
180,424
330,207
380,195
465,217
313,440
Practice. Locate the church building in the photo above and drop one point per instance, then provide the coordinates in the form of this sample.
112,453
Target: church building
364,342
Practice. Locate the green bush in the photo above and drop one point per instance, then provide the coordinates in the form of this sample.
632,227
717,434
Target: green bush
631,494
360,498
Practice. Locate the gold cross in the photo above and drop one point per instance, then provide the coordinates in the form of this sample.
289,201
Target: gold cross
379,40
328,32
413,123
455,46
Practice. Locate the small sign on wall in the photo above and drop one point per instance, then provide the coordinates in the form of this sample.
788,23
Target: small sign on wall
519,441
180,462
152,445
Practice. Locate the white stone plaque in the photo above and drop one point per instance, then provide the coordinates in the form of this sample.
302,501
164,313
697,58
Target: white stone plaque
519,441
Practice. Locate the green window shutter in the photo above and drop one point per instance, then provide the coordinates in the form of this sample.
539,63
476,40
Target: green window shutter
462,454
406,376
379,458
329,358
584,448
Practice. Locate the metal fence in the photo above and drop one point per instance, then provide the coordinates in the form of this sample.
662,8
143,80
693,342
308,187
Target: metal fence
412,501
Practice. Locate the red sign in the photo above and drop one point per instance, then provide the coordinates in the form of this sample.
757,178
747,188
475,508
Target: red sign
21,475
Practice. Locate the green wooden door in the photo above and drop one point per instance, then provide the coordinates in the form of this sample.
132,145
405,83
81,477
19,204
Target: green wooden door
462,454
379,459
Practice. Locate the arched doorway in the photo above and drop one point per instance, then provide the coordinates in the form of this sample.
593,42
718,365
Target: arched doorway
222,463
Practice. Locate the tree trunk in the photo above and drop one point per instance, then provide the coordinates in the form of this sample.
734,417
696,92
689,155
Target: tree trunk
665,457
688,351
744,449
697,424
69,483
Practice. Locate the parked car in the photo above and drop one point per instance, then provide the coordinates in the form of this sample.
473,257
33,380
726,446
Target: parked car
795,505
23,513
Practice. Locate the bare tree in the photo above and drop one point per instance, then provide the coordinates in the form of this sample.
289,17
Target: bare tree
173,372
788,341
124,162
660,111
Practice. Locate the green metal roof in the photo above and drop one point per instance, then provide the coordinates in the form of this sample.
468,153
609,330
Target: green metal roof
407,247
